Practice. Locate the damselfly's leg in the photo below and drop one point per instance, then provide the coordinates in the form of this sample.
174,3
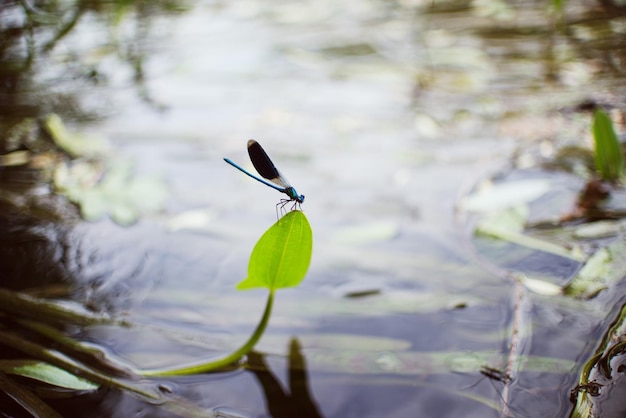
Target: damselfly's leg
282,204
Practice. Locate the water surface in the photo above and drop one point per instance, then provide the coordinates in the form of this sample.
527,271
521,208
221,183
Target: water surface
383,115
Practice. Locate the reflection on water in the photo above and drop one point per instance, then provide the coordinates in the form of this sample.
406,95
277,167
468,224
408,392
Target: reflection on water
25,238
297,400
380,112
59,57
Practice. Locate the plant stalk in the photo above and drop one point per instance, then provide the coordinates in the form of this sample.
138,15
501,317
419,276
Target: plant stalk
222,362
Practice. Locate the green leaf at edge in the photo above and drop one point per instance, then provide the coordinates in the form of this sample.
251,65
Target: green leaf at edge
603,269
609,157
46,373
282,255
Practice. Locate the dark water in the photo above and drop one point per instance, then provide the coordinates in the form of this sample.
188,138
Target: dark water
384,114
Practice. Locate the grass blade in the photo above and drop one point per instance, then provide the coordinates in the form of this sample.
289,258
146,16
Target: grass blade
609,155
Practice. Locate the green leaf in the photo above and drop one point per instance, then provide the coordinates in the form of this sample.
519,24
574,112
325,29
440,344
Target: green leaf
32,404
282,255
604,268
46,373
74,144
511,220
508,225
112,190
609,155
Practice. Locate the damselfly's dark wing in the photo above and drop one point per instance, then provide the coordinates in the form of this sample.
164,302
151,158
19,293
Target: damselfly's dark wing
264,165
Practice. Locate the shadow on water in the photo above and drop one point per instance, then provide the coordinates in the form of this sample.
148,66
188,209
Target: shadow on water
295,400
417,327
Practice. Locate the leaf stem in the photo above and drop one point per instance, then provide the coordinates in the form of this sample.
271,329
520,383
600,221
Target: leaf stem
222,362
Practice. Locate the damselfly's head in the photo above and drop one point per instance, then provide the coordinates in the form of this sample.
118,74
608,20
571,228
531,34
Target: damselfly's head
293,195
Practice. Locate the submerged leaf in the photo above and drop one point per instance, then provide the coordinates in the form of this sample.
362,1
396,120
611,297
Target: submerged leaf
508,225
114,191
74,144
46,373
603,268
282,255
193,220
511,220
15,158
599,229
491,197
372,232
541,287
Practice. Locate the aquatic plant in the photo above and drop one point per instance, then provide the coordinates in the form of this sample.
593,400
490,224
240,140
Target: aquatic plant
609,153
46,354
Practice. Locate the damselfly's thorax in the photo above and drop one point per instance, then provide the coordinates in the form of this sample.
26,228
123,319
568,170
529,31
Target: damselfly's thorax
293,195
